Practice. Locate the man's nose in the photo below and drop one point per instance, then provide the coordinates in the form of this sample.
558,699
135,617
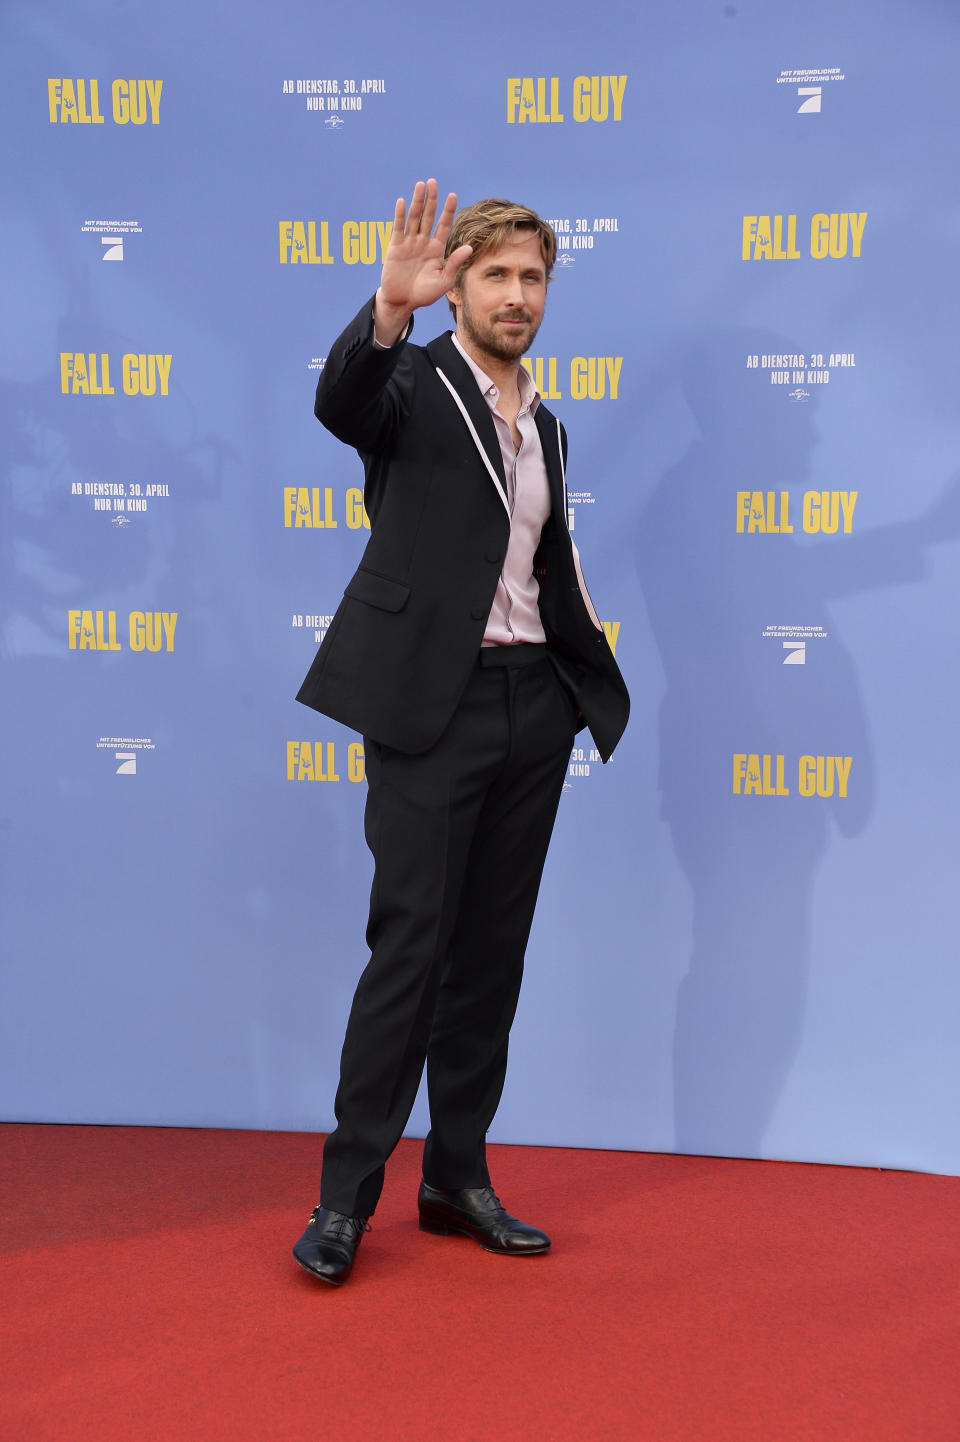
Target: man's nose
513,294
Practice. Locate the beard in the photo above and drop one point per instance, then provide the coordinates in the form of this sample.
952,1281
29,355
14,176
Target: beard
504,343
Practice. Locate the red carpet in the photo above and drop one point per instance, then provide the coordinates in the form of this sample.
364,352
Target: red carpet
149,1293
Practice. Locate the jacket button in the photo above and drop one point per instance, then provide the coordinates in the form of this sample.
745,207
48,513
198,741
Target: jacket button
477,614
493,557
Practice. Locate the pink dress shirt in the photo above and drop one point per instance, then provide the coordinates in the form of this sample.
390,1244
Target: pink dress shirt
514,615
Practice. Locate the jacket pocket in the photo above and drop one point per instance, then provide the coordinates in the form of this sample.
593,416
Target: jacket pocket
376,590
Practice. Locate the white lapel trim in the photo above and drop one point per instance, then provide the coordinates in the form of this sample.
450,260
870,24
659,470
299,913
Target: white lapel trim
476,439
563,477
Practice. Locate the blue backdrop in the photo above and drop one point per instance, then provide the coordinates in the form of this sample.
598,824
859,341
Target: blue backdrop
746,941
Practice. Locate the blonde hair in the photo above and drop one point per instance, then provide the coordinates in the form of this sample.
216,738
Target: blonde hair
491,223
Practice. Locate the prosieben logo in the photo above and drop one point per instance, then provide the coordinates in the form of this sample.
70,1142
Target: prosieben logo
810,84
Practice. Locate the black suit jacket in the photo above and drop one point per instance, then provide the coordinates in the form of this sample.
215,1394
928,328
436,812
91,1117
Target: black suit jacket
399,651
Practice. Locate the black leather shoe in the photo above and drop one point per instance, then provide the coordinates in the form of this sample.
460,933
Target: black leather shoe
328,1245
477,1213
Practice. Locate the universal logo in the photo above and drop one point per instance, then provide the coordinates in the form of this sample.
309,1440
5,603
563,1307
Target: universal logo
798,396
334,122
565,260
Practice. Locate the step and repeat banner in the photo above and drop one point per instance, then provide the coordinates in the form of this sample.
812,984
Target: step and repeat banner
746,941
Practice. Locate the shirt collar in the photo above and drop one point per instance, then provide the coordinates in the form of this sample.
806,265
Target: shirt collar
529,395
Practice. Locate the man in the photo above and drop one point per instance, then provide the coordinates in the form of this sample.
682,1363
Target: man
467,652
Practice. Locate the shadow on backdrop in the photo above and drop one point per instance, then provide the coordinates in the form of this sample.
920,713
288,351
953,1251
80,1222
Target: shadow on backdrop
711,593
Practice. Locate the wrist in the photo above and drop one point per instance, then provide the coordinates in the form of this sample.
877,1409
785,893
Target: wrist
389,320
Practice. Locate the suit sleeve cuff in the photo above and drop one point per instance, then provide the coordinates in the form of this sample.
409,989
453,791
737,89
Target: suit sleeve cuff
379,345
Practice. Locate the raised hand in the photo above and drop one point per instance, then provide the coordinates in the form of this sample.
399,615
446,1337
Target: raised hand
414,271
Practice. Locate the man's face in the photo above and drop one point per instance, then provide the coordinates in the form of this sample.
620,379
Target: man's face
501,299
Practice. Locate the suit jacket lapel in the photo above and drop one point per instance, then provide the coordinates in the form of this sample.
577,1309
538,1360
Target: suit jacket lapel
458,375
550,443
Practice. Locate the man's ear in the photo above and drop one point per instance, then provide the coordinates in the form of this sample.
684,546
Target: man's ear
453,296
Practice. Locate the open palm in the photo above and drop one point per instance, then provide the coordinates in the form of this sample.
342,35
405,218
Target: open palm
414,270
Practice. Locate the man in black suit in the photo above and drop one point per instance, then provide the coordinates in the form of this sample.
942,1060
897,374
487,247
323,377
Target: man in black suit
467,652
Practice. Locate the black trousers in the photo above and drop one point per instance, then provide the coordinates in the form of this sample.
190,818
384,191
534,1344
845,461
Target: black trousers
459,836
